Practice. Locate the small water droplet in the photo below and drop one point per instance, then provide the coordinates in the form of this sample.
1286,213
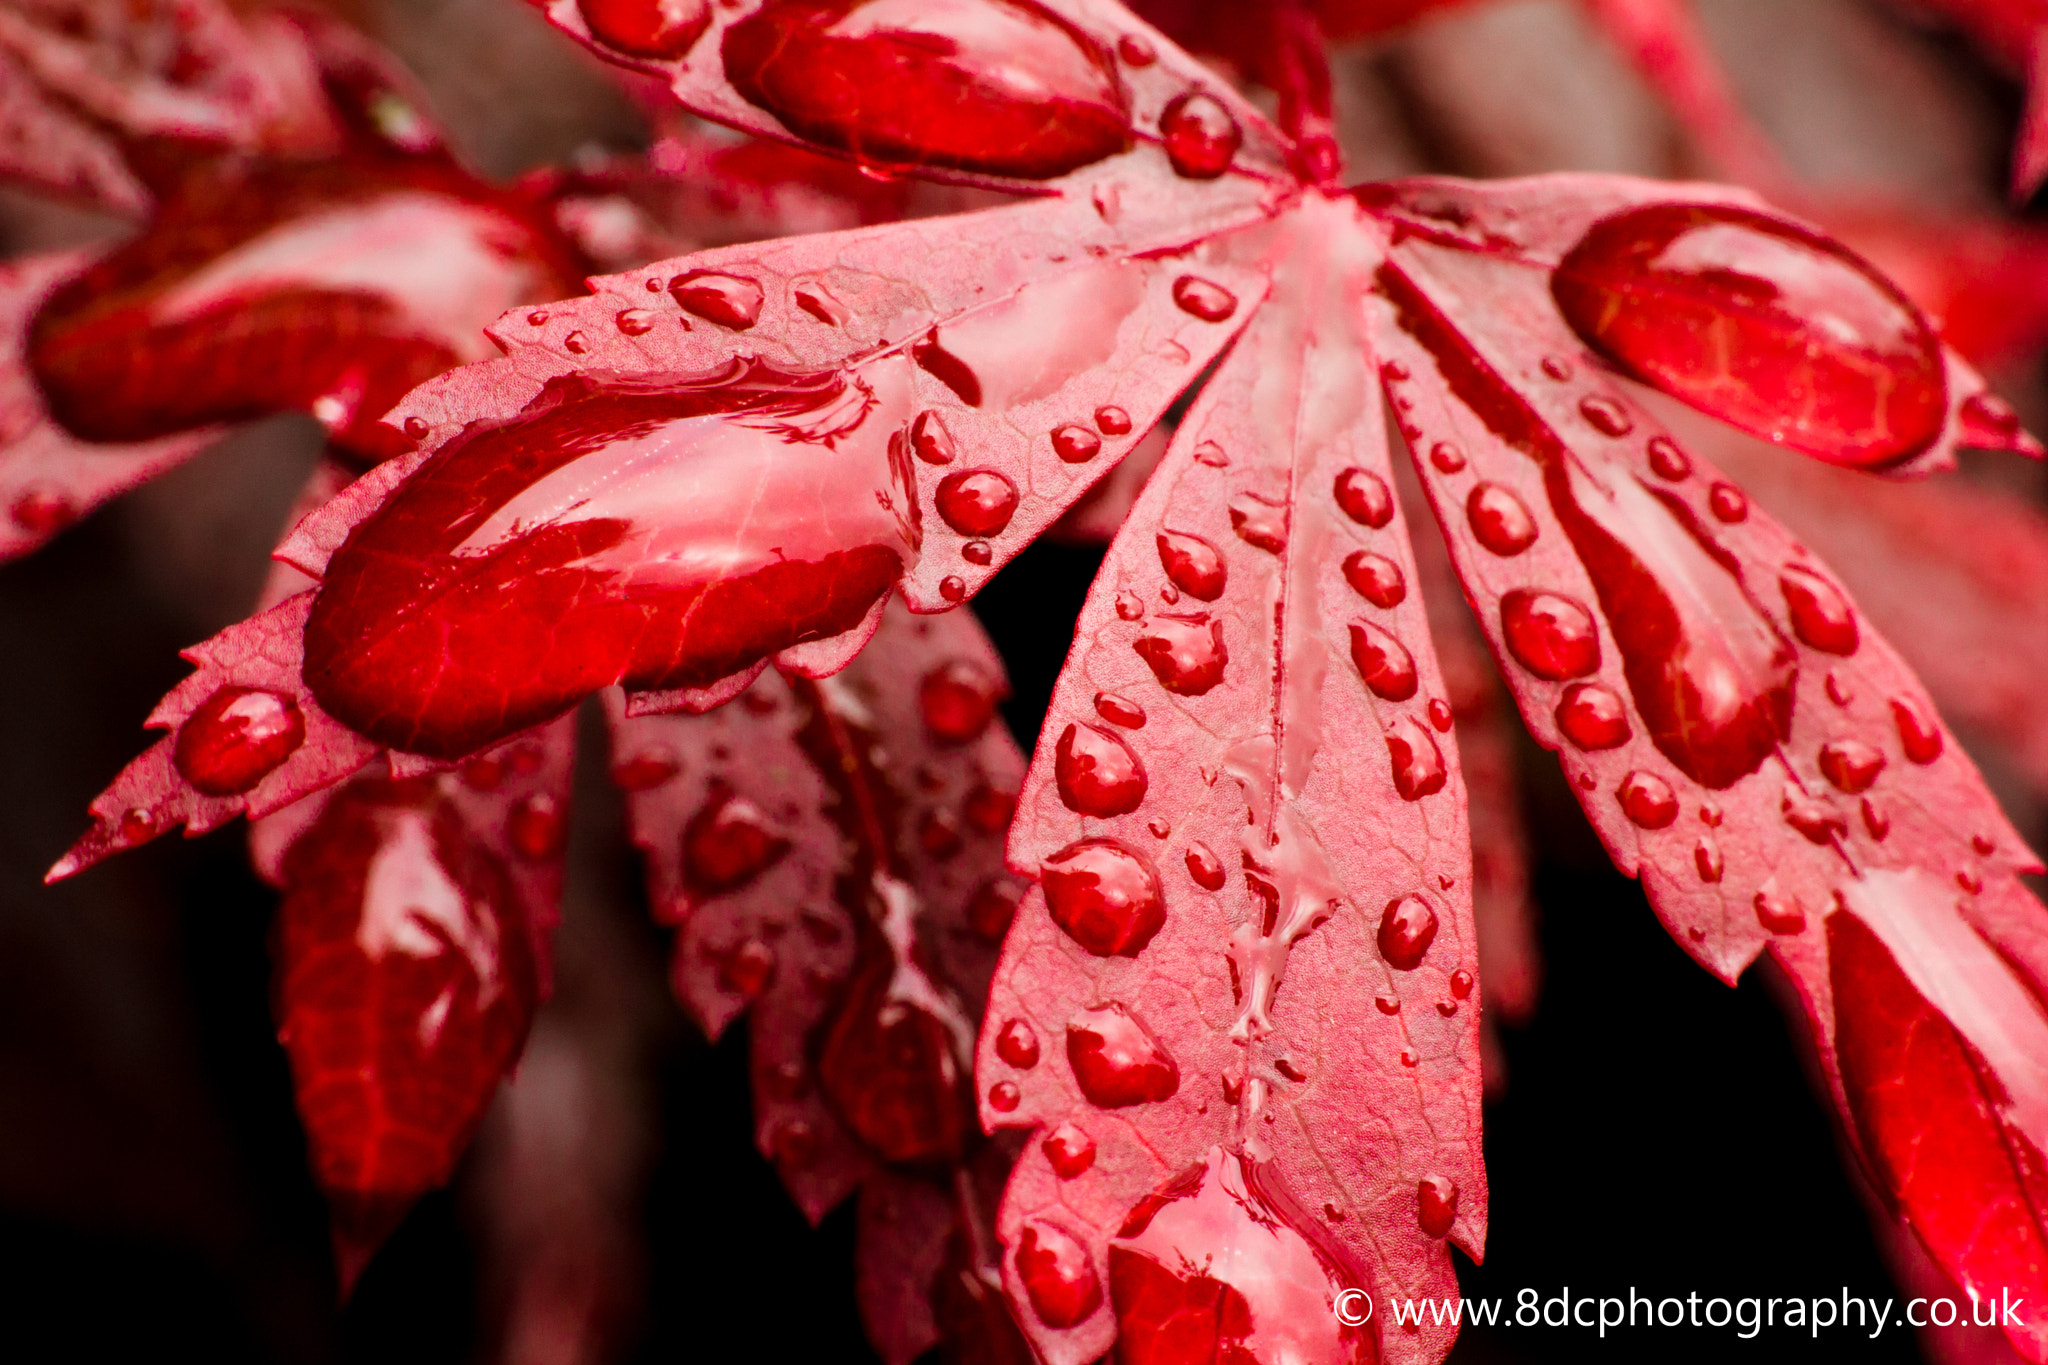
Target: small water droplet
1117,1061
1440,714
1135,51
1447,457
993,907
537,318
1447,1008
1647,799
953,588
728,843
1710,815
1387,1005
1200,135
1875,820
1058,1278
1605,415
1159,829
1668,460
1982,845
819,303
1004,1096
416,429
1259,523
1410,1059
1418,764
1112,421
576,343
1969,881
1203,299
137,824
1194,565
1075,444
1552,636
1461,983
978,552
976,502
1779,914
636,322
930,439
1436,1204
1850,764
1382,661
1812,818
1204,866
989,809
1376,578
1821,615
731,301
1068,1150
1838,689
1210,454
1557,367
1919,733
1105,895
237,737
958,699
1119,711
1728,503
1097,773
1129,606
1407,928
746,969
1499,520
1706,859
656,29
1289,1070
1186,654
796,1145
535,827
1364,497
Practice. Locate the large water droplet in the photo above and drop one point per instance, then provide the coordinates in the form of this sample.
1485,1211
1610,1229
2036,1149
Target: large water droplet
1648,800
236,738
1821,615
657,29
888,1067
1592,716
1383,661
1117,1061
1105,894
1407,928
1551,636
728,300
1376,578
1499,520
949,369
1850,764
1221,1266
1364,497
1194,565
1069,1150
1418,764
976,502
1436,1204
1002,86
1767,326
1097,773
1186,653
1058,1277
1200,135
1017,1044
958,699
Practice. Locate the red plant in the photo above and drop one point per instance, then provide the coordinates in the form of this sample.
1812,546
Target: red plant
1236,1014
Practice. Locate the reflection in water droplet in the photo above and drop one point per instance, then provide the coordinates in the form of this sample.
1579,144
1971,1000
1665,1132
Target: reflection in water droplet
1200,135
1194,565
728,843
977,552
953,588
237,737
1204,866
1117,1061
1376,578
1668,460
1407,928
1112,421
958,699
1850,764
1648,800
1017,1044
1499,520
1097,773
976,502
1821,615
1119,711
1186,653
1418,764
1779,914
1069,1150
1382,661
1075,444
1605,415
1058,1278
1204,299
1364,497
1552,636
1105,894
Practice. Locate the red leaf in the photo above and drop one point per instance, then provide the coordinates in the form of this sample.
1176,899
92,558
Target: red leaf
411,951
1750,746
1299,824
828,851
49,478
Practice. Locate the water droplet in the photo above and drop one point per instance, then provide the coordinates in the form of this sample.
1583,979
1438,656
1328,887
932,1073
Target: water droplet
1194,565
1875,820
1112,421
237,737
729,300
1186,654
1289,1070
1838,690
1004,1096
43,511
958,699
1210,454
728,843
1647,799
1850,764
1097,773
1767,326
537,318
1668,460
1605,416
930,439
1821,615
1200,135
1017,1044
1436,1204
1003,88
1057,1276
1204,866
1592,716
1440,715
746,969
1983,845
988,809
993,907
1387,1006
1919,733
1118,711
1364,497
1812,818
887,1064
796,1145
137,824
1407,928
657,29
1447,1008
785,1082
1448,458
818,302
1117,1061
1376,578
1988,420
1779,914
1259,523
1499,520
1551,636
953,588
1203,299
1728,503
1557,367
1105,894
483,774
1418,764
1135,50
636,322
1129,606
1969,881
535,827
1461,983
416,429
1706,859
1075,444
938,835
976,502
1068,1150
1382,661
978,552
576,343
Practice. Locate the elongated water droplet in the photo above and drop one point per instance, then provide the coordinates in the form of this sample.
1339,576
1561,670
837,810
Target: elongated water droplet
728,842
1668,460
728,300
1814,820
1919,733
657,29
1382,661
1186,653
1200,135
634,322
930,439
1117,1061
1194,565
1105,894
1436,1204
236,738
1069,1151
1706,858
1850,764
1204,299
1097,773
1058,1278
958,699
1376,578
887,1065
1259,522
1648,800
976,502
1005,87
1364,497
1418,764
1407,928
1779,914
1770,327
1204,866
1605,415
1499,520
1551,636
1119,711
1821,615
